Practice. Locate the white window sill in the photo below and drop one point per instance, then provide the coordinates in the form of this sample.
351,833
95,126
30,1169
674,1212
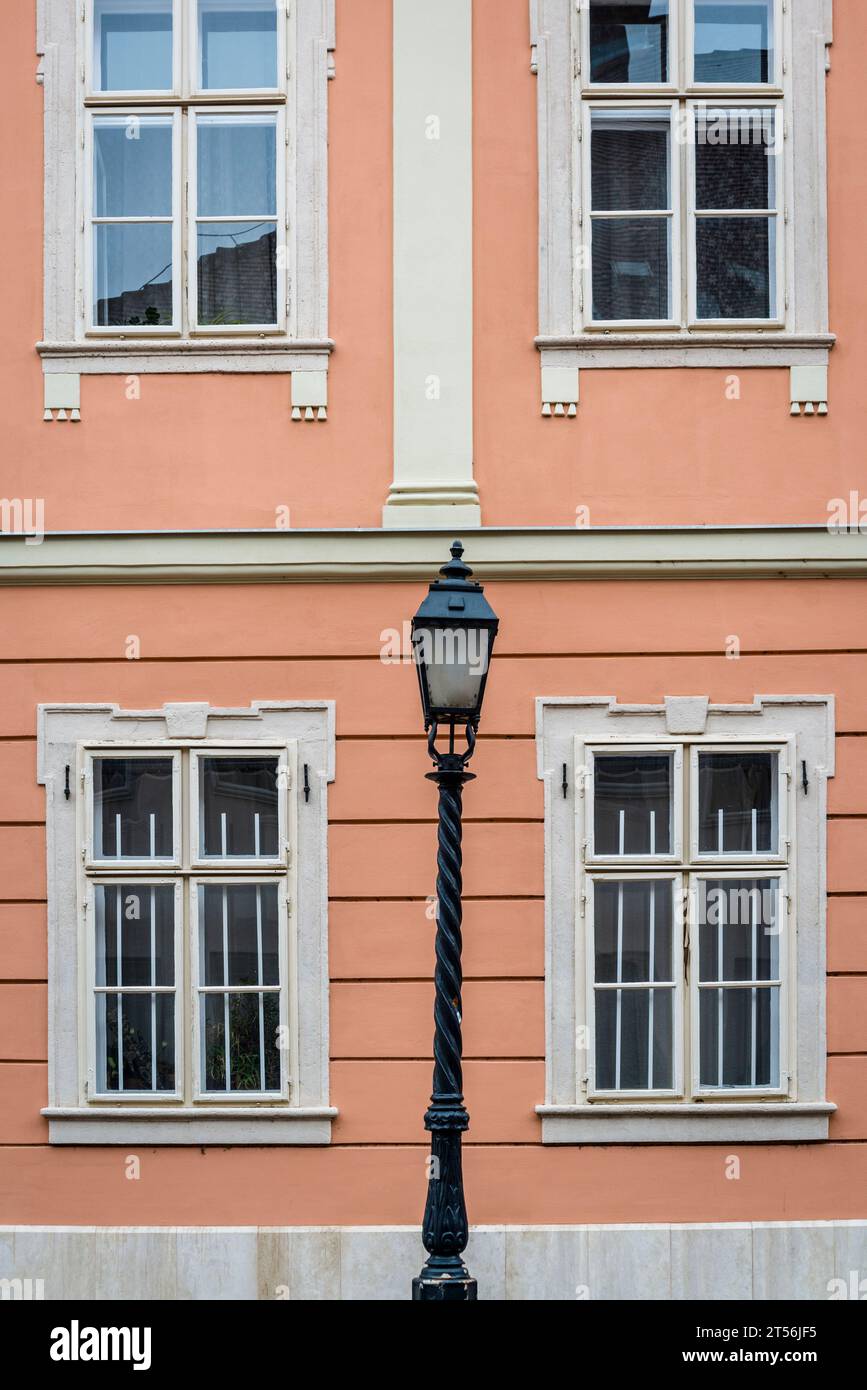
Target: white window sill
699,347
136,355
147,1125
733,1122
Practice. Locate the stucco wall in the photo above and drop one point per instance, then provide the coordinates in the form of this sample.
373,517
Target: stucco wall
230,645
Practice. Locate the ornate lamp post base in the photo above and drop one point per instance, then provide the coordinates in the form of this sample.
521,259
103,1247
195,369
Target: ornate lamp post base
445,1279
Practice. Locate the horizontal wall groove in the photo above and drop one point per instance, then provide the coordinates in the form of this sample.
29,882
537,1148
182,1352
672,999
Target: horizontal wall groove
290,657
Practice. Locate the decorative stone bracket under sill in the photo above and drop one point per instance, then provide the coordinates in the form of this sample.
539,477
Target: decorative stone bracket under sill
712,1122
806,356
64,364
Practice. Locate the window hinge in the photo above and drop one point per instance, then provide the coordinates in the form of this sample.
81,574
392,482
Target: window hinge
583,901
580,134
585,1082
576,64
583,851
786,216
81,139
787,299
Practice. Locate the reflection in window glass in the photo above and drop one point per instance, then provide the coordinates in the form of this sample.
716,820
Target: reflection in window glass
132,45
734,41
632,804
628,40
237,254
238,810
737,795
132,808
237,44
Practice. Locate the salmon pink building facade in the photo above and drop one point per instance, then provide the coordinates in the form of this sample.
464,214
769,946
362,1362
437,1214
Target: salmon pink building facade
299,291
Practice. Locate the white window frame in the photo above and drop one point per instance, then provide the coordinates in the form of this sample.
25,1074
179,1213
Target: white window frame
586,755
88,955
91,221
672,214
655,88
288,1016
90,65
302,733
785,772
196,329
567,340
194,53
802,728
299,342
688,27
674,1092
285,774
786,910
782,296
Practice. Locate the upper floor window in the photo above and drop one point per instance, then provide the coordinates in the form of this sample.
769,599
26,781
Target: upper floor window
187,218
684,196
186,191
682,189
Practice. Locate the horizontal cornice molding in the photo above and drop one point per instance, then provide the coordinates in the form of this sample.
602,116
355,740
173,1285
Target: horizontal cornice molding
233,557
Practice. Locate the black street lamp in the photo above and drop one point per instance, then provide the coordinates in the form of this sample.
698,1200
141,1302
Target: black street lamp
453,635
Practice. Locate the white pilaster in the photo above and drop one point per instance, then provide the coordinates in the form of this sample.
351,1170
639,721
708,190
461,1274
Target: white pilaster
433,252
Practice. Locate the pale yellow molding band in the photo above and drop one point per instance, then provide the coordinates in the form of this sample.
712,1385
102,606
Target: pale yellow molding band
238,557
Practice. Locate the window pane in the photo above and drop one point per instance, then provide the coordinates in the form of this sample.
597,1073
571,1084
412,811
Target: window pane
735,166
630,159
254,1058
739,1033
642,1021
132,45
146,1023
132,167
132,808
238,934
736,260
632,804
139,919
133,275
238,806
739,929
238,43
632,926
631,268
737,794
237,166
628,40
237,273
734,40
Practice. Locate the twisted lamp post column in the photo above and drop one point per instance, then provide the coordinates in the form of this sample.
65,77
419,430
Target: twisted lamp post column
453,635
445,1230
